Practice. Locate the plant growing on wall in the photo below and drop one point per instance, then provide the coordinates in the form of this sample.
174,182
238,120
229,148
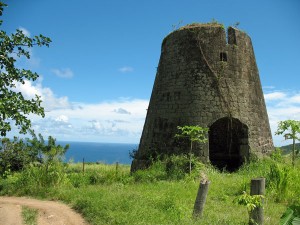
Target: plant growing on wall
194,134
291,130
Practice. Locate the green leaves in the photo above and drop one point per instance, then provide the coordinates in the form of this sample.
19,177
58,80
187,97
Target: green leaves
193,133
250,201
289,218
17,154
292,127
13,106
291,130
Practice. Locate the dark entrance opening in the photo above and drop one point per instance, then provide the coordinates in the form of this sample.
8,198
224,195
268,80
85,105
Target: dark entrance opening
228,143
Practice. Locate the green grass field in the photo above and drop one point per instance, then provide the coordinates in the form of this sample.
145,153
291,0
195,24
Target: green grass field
106,194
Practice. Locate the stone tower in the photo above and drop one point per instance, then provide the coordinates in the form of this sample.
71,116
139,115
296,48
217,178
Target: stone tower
206,79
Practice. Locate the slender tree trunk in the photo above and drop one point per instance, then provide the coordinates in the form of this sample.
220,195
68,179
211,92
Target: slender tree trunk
191,150
117,168
83,166
293,153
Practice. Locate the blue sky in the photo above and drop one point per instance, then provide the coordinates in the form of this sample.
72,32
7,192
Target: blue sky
98,73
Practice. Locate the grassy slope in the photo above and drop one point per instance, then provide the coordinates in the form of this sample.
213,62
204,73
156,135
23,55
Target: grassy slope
288,148
106,197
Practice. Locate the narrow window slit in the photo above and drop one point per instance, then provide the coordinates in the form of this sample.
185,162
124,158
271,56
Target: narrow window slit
223,56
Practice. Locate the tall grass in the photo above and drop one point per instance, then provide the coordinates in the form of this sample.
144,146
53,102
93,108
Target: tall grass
162,194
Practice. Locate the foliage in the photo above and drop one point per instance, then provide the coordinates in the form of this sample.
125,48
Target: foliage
133,153
40,164
15,155
105,196
13,105
215,22
290,217
276,155
287,149
49,152
156,172
250,201
174,167
291,130
177,166
195,134
277,180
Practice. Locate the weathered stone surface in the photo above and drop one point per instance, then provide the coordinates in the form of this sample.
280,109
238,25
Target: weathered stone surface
204,80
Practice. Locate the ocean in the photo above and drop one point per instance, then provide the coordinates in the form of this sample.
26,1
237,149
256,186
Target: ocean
108,153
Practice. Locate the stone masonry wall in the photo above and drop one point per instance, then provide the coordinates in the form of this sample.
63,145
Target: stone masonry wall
201,78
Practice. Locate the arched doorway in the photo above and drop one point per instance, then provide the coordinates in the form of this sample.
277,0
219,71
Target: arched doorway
228,143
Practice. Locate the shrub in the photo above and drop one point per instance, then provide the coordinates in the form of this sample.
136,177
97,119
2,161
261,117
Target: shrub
277,181
291,215
15,155
177,166
276,155
156,172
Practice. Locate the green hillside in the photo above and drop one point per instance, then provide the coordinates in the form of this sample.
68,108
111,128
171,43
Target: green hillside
288,148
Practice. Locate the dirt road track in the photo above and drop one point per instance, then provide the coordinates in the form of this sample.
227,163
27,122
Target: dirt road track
50,213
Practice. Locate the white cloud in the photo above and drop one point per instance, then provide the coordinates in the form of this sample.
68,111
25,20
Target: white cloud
28,90
63,73
62,118
126,69
295,99
25,31
95,122
121,111
122,120
275,96
282,105
49,100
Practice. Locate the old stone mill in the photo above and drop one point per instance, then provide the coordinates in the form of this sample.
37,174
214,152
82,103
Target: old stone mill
207,76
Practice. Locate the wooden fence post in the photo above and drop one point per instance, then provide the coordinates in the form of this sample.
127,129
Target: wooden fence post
257,188
201,198
117,168
83,166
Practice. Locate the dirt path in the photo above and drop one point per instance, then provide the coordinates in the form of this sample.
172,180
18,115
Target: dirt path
50,213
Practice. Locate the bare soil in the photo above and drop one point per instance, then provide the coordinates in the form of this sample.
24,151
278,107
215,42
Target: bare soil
50,212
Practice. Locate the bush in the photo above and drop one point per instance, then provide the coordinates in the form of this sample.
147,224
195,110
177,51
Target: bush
78,179
156,172
175,167
276,155
277,181
15,155
37,165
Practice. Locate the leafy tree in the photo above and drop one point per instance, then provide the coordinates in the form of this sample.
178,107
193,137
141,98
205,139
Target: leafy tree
194,134
13,105
48,152
291,130
16,154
